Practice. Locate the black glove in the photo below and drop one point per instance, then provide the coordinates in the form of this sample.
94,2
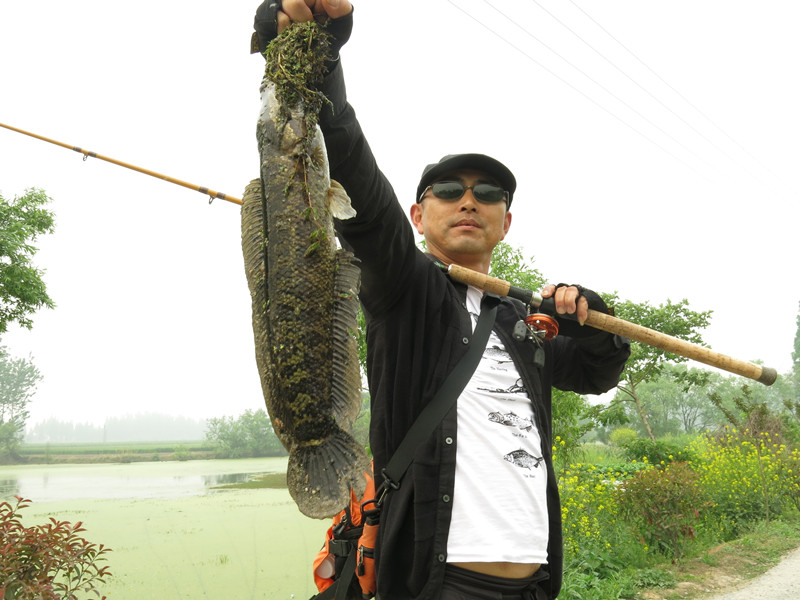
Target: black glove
266,28
568,324
266,25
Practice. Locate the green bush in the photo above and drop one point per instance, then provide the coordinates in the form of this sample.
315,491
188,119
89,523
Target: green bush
622,436
663,507
657,452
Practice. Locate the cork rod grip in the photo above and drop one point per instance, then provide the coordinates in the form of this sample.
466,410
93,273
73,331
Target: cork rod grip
635,332
493,285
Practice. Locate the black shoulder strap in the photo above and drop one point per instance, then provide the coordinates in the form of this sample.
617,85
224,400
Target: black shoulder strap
445,398
423,427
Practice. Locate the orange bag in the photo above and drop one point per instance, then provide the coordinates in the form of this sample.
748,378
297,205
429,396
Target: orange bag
349,547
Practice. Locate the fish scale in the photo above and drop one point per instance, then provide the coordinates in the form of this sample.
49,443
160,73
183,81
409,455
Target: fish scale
304,299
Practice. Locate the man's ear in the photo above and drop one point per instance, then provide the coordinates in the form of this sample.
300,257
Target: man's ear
506,224
416,217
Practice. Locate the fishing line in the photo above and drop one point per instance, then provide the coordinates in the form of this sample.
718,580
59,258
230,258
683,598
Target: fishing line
87,153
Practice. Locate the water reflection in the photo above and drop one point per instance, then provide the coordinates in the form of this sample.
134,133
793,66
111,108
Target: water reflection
8,488
51,483
228,479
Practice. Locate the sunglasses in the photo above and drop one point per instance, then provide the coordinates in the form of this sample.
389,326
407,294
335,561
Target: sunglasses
488,193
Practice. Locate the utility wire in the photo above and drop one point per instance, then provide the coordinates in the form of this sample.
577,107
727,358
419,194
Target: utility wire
598,84
681,96
573,87
640,86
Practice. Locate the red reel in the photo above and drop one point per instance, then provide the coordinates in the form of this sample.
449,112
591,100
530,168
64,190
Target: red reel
539,322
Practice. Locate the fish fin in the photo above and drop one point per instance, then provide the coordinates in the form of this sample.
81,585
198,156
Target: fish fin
339,202
255,267
346,375
320,477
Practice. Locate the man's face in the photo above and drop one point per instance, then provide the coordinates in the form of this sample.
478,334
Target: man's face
462,231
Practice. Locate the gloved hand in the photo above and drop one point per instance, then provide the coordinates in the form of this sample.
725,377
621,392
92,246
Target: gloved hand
569,305
272,17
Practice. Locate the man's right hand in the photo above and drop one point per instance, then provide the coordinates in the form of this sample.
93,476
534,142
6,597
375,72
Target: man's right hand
299,11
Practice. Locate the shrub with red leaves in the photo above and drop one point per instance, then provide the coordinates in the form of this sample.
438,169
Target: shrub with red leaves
47,562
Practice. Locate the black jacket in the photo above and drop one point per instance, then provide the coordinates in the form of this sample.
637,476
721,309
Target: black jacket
417,330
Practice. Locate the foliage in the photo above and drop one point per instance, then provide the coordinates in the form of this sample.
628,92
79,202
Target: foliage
22,291
749,476
672,407
622,436
509,264
647,362
361,425
250,435
588,510
18,378
658,452
655,578
570,424
50,561
796,360
663,507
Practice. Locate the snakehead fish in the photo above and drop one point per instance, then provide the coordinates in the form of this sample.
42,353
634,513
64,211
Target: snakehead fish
303,288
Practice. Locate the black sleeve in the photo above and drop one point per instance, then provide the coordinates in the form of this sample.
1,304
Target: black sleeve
590,365
380,235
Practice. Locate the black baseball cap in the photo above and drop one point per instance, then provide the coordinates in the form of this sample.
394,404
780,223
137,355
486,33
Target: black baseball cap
475,162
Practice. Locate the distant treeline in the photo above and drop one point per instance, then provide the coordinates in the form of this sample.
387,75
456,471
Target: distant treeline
133,428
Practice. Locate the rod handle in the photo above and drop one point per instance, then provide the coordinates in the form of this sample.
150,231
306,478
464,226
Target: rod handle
493,285
644,335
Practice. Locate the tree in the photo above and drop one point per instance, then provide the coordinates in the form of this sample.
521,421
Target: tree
509,264
796,361
18,379
250,435
647,362
22,291
670,406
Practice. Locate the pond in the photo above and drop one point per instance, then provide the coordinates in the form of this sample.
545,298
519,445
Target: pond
163,480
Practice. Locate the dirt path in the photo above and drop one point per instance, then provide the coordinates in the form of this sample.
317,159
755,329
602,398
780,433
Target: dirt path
782,582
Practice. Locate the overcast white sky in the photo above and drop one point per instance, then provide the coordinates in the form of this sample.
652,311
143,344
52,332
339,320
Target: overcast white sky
654,143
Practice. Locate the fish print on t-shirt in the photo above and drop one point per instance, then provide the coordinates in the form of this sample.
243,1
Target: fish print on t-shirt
509,392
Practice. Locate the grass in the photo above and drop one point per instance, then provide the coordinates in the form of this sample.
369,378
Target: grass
270,481
112,452
715,569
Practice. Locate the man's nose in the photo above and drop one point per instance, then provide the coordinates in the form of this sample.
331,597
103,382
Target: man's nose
468,201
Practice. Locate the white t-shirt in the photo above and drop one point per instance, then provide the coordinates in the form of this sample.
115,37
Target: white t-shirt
499,502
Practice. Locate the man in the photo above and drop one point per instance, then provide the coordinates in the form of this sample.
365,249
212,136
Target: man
477,513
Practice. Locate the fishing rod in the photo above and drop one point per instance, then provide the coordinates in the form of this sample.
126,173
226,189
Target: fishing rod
87,153
610,324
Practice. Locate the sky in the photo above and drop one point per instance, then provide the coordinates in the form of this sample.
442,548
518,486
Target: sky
654,144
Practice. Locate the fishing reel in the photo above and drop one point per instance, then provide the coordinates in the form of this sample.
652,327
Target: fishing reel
538,327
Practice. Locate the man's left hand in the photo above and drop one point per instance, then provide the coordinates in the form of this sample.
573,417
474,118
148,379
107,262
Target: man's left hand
568,301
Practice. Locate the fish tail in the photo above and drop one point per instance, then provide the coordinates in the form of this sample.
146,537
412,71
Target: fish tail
320,477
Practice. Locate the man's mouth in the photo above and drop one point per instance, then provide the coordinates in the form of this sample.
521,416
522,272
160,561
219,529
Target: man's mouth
469,223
